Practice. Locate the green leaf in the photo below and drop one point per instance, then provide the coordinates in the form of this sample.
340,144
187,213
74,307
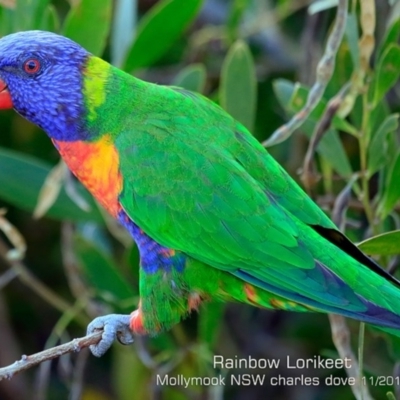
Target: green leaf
238,88
392,36
392,190
237,10
28,14
126,384
352,38
292,97
332,149
192,77
387,72
102,273
21,178
88,23
385,244
50,21
7,19
40,7
377,151
159,29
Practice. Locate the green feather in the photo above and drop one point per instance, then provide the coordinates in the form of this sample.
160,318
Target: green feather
197,181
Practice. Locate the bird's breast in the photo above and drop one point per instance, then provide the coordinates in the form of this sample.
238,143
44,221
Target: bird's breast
96,165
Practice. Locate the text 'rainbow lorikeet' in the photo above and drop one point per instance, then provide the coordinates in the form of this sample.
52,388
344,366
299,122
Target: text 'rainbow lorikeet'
213,214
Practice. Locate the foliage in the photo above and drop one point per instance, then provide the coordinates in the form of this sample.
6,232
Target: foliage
249,66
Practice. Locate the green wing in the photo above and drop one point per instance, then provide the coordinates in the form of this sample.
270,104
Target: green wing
195,180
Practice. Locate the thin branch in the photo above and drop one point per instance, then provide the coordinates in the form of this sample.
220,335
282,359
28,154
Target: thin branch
339,329
27,362
325,70
78,375
26,277
341,339
308,176
7,277
14,236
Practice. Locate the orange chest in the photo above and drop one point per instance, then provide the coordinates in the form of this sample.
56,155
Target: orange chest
96,165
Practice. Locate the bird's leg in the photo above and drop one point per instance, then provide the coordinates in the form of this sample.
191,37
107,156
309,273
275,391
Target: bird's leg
164,299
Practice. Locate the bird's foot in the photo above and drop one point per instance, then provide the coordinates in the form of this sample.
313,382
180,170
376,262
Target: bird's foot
115,326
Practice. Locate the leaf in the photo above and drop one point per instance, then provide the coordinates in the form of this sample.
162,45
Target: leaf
123,28
352,39
392,36
387,72
237,10
293,97
377,151
28,14
102,273
192,77
7,18
332,149
50,21
321,5
159,29
385,244
88,23
392,190
238,88
21,178
126,384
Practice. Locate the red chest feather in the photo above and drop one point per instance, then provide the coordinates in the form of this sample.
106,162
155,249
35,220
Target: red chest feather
96,165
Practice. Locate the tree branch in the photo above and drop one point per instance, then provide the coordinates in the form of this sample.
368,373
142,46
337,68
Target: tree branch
27,362
325,70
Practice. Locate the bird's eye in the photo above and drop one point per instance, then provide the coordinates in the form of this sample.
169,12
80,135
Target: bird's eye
32,66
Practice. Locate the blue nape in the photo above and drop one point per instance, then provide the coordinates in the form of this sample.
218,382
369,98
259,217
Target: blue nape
153,256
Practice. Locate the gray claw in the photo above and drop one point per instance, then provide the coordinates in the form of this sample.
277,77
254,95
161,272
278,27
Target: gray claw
114,326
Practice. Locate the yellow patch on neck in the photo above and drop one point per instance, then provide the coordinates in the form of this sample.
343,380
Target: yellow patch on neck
95,78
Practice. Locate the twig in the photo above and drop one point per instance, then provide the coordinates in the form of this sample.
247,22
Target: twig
14,236
78,375
342,203
325,70
308,176
37,286
361,341
341,339
10,350
7,277
339,329
27,362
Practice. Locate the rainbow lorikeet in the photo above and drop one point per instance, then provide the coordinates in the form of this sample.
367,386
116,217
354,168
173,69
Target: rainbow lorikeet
214,216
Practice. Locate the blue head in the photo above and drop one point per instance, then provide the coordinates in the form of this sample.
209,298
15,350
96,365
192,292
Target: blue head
41,73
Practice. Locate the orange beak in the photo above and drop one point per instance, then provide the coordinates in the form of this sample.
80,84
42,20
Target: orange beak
5,98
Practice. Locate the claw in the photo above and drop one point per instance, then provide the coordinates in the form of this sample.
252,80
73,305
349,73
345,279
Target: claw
114,326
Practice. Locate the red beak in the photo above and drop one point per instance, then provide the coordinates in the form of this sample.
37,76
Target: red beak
5,98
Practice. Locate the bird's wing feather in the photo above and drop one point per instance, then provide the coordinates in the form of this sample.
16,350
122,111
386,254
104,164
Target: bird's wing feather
196,181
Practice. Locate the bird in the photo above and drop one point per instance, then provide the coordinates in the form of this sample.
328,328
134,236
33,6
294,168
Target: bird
215,217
